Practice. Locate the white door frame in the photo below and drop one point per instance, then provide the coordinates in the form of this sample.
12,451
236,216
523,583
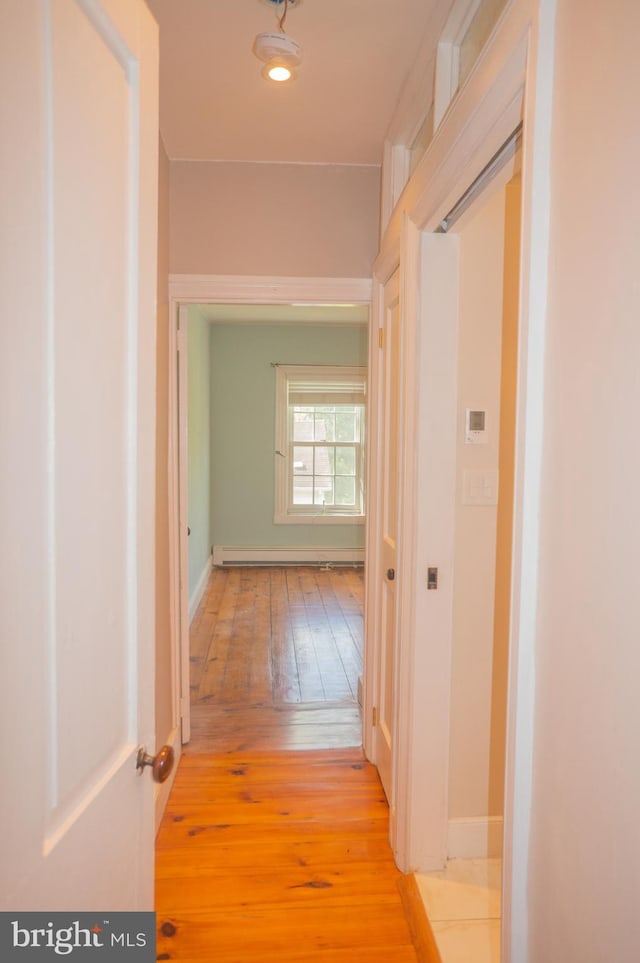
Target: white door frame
185,289
512,82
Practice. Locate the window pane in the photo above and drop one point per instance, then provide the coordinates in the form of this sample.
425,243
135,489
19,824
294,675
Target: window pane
346,425
323,491
346,492
421,141
477,35
345,461
325,460
325,425
302,460
303,491
303,425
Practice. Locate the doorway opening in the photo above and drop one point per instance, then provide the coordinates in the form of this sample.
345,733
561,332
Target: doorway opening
275,610
463,900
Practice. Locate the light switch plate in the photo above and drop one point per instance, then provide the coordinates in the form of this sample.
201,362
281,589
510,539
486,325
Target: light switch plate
480,486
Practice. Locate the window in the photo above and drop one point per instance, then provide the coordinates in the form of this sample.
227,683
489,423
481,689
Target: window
464,37
320,432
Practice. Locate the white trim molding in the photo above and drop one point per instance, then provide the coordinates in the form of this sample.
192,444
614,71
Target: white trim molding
262,555
199,590
478,837
426,535
195,288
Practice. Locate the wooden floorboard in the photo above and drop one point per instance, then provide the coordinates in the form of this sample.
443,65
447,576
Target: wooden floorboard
281,855
274,844
421,932
278,635
222,728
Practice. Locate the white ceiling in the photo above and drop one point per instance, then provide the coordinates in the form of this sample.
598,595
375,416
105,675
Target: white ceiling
215,105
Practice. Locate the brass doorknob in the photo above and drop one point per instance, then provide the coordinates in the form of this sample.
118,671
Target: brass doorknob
161,764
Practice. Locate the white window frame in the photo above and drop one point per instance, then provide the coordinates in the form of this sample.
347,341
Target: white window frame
285,513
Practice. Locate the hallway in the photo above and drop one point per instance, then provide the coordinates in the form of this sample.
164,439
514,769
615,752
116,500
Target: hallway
274,844
278,856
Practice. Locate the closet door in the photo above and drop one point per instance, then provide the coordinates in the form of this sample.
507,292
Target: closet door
388,493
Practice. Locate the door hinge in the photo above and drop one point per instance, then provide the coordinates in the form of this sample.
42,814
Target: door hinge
381,337
374,716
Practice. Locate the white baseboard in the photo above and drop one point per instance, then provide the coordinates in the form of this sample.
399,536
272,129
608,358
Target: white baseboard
475,838
261,555
198,591
162,789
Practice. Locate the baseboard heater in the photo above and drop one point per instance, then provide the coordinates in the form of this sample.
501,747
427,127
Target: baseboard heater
254,555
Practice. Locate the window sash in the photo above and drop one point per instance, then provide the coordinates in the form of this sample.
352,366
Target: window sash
315,476
314,387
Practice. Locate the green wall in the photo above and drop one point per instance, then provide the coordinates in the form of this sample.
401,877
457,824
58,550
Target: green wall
199,445
243,425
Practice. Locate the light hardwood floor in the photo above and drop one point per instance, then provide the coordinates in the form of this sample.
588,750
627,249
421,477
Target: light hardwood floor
274,845
278,856
278,636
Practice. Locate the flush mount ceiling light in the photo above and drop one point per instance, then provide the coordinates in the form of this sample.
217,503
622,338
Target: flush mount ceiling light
279,53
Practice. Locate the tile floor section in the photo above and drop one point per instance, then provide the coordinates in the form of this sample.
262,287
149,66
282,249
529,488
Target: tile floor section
463,906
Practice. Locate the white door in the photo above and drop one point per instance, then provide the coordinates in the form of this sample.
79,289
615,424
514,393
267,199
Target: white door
390,385
78,100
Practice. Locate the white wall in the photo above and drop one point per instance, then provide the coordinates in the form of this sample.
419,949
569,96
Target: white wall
479,366
289,220
243,418
585,839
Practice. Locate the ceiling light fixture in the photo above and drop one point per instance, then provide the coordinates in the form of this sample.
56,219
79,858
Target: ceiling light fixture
280,53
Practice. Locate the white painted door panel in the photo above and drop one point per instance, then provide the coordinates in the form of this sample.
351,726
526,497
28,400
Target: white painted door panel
79,288
389,491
